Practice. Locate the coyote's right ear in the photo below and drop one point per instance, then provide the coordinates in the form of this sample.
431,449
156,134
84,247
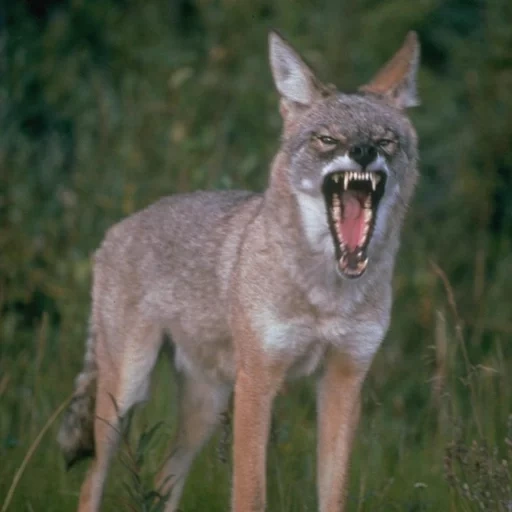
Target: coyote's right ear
396,81
293,78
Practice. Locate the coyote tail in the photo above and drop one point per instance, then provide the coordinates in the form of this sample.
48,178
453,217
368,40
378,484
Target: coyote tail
76,433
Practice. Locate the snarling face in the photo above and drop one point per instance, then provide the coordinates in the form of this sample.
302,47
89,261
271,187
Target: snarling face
351,157
353,186
355,160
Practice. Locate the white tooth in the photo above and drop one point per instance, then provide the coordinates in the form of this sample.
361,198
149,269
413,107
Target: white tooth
373,177
367,219
367,175
336,208
377,178
336,177
346,178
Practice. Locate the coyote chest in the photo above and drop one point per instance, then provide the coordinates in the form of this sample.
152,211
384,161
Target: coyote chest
303,341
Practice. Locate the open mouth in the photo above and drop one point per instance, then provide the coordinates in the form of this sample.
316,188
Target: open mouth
352,199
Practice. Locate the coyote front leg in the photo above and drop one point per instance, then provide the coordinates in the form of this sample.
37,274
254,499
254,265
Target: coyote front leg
338,414
257,382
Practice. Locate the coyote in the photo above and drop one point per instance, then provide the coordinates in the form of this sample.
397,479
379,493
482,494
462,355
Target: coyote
249,290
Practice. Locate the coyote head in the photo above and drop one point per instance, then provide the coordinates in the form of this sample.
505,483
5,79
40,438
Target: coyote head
350,158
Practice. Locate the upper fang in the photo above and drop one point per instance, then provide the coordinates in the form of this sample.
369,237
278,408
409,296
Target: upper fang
348,176
373,178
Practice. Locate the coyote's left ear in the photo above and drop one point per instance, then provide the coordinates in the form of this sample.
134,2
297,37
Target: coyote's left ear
396,81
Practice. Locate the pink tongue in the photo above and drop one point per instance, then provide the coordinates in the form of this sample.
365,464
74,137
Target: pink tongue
352,225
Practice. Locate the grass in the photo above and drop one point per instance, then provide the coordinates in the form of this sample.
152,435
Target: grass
106,106
435,435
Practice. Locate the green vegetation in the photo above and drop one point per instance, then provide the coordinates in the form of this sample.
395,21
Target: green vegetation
106,105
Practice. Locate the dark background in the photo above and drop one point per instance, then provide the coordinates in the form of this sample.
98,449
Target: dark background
106,105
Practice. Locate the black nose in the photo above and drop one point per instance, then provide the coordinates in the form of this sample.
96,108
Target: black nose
363,154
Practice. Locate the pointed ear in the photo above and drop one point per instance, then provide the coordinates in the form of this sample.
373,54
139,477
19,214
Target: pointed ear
396,81
293,78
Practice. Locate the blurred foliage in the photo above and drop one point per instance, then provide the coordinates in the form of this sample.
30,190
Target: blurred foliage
106,105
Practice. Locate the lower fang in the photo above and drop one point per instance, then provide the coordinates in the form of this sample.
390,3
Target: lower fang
352,271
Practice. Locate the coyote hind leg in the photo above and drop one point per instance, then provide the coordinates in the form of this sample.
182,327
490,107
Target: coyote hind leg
124,371
201,406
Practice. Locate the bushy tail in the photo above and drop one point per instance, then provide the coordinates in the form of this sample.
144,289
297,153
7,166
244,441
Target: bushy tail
76,434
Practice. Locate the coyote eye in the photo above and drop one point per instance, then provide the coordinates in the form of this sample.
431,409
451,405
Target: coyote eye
386,143
328,141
